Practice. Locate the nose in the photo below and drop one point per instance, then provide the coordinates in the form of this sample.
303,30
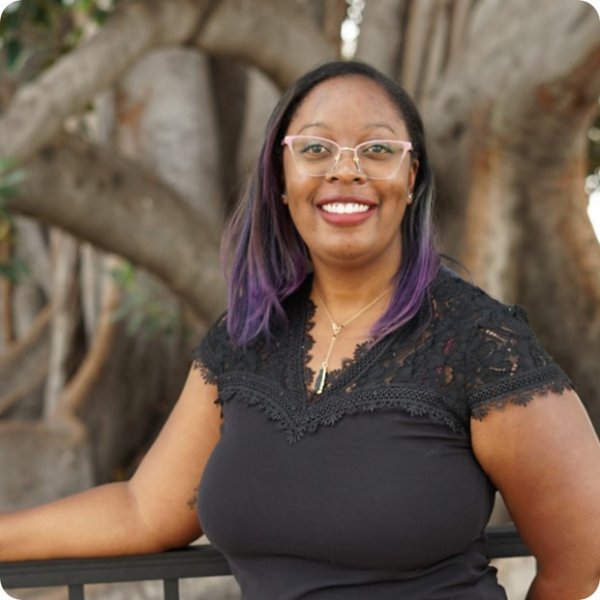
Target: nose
346,165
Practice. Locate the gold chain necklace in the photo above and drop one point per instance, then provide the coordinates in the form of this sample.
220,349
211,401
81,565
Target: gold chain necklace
336,329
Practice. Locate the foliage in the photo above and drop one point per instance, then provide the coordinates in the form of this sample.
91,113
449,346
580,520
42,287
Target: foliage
13,268
594,152
9,178
40,31
144,306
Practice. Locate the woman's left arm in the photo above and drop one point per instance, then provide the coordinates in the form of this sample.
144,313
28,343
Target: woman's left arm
544,458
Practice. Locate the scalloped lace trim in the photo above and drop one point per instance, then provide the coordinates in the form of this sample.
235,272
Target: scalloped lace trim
205,372
475,355
296,423
519,391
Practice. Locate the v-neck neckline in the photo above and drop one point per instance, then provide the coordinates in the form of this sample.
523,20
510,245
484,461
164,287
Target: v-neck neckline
363,355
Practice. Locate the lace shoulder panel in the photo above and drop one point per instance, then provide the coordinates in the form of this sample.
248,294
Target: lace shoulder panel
209,356
505,361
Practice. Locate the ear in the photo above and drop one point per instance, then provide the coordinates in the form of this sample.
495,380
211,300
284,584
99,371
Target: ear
412,174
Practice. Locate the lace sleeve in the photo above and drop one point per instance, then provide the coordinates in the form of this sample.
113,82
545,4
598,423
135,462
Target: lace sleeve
208,355
506,363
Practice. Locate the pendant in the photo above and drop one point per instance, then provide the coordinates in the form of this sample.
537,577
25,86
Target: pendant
320,382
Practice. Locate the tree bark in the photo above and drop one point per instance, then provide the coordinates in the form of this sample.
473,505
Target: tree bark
262,96
279,38
65,316
230,86
166,122
382,34
115,204
24,365
509,149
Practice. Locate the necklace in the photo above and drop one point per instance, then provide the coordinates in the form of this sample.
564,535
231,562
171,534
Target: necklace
336,329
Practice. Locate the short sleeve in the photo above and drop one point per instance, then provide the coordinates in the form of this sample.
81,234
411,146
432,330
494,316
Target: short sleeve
506,363
208,356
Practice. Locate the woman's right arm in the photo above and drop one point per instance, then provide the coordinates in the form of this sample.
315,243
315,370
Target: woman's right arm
152,512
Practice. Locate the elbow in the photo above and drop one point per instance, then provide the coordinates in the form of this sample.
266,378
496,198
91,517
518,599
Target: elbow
591,586
565,584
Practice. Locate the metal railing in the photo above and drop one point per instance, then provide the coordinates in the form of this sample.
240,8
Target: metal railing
193,561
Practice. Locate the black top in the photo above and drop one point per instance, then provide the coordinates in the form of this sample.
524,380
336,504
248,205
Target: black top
370,490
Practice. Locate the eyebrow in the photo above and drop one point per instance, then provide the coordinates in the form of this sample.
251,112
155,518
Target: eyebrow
378,125
367,126
308,125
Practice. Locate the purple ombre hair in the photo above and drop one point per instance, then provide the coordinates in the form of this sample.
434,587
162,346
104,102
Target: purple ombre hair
266,260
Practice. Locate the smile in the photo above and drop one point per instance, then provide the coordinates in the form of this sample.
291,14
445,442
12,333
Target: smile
345,208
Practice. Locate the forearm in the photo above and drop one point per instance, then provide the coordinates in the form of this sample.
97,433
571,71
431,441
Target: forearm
99,522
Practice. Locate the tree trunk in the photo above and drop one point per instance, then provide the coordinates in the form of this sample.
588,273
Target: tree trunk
166,121
509,149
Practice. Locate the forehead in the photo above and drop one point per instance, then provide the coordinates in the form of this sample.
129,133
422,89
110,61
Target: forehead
350,100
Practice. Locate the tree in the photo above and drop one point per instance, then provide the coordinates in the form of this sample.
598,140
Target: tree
124,142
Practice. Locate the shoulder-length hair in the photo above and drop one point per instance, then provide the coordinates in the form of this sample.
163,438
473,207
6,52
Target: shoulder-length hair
264,257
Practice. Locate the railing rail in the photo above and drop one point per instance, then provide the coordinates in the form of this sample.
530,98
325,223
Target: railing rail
193,561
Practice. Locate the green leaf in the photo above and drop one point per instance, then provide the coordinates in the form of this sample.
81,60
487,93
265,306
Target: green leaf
10,182
15,270
124,275
13,48
84,5
99,15
6,164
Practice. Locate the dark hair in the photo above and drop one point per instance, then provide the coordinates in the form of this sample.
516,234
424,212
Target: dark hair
266,260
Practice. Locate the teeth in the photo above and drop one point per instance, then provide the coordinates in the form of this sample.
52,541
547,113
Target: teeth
345,208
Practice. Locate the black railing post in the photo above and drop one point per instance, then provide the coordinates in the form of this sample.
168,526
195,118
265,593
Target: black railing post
76,592
171,589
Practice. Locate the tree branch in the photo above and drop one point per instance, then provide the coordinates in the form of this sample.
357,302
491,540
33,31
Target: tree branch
501,94
279,38
116,205
38,109
78,388
466,83
381,34
24,365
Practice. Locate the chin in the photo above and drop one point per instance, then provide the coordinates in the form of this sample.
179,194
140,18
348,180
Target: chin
348,256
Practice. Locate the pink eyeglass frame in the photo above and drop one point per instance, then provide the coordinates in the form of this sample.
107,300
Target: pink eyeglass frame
407,147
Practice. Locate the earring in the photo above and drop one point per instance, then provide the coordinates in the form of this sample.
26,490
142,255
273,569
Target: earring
283,199
410,197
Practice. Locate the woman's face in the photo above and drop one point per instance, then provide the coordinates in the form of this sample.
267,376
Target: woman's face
345,218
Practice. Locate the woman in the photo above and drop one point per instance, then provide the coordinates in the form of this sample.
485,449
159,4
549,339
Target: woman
352,414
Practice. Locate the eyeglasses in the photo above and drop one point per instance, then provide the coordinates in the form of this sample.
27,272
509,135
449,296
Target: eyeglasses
376,159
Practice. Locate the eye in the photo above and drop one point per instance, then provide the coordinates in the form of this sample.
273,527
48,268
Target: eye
314,148
377,148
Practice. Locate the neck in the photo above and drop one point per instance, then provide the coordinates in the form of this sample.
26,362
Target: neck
346,291
346,309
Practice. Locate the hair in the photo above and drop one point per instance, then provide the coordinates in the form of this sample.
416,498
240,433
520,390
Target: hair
265,258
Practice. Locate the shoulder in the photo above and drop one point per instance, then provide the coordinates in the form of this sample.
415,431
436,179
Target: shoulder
503,360
472,307
209,354
218,353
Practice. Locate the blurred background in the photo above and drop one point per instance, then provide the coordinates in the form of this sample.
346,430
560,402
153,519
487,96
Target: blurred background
128,127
